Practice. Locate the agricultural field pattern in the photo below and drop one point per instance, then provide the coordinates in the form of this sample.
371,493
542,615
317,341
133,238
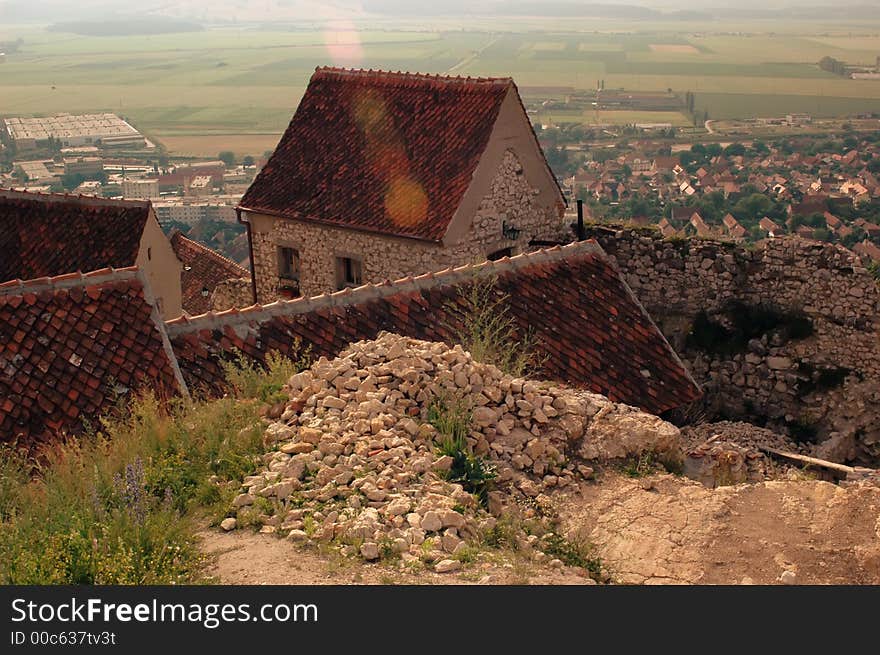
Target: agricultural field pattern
237,87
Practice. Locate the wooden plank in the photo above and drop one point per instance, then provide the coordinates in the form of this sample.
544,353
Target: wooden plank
810,460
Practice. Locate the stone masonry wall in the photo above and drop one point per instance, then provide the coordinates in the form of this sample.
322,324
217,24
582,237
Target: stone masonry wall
821,383
509,199
234,292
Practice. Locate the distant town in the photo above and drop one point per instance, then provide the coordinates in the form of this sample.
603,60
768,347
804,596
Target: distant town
821,186
792,177
103,155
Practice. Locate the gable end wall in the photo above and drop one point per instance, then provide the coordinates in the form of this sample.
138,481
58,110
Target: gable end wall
510,197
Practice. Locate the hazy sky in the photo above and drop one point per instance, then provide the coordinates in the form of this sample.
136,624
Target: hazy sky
222,10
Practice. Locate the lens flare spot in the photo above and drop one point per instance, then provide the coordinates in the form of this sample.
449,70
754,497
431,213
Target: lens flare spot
406,202
370,112
343,43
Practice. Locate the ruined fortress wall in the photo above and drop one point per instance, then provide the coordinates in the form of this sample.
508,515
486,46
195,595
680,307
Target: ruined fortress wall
786,332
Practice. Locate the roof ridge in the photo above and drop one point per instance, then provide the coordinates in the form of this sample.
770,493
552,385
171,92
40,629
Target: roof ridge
72,197
67,280
177,233
406,75
371,291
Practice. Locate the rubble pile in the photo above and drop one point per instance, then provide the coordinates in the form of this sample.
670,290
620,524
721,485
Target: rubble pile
730,452
356,458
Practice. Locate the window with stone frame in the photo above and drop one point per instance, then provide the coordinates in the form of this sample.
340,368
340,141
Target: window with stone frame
288,263
349,272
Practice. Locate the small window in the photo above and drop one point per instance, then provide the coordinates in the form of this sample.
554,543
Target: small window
149,254
288,263
349,272
498,254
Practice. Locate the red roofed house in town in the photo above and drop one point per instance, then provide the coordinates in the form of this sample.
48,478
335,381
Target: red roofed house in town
702,228
44,235
733,227
666,228
203,271
381,175
586,322
867,249
771,228
871,229
72,345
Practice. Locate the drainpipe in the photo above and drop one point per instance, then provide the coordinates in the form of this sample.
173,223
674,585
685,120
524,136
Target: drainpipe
247,225
581,234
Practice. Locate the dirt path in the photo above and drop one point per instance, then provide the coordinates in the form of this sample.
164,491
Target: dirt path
244,557
665,529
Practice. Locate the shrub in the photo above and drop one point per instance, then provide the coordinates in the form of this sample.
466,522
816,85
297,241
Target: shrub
452,418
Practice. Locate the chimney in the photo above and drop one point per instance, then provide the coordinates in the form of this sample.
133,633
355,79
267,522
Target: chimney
580,228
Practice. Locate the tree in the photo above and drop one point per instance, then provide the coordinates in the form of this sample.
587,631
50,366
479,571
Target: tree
227,157
247,160
735,149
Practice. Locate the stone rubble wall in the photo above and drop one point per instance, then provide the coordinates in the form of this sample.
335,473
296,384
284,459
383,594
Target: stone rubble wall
234,292
773,379
356,458
510,199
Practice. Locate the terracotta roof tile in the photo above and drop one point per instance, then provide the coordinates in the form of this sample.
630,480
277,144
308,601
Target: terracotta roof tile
585,319
65,355
385,152
203,269
54,234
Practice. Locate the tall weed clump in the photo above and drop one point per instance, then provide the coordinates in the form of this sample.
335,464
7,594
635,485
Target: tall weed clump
489,333
120,503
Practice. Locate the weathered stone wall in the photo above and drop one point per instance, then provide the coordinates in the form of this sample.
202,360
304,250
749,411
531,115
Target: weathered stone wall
234,292
822,382
509,199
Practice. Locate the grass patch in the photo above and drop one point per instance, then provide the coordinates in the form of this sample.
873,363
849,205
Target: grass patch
120,505
250,379
574,553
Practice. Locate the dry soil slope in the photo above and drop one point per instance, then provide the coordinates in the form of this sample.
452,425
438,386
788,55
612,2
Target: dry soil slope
665,529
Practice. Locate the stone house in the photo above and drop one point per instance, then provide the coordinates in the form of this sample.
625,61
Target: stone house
385,175
203,272
46,235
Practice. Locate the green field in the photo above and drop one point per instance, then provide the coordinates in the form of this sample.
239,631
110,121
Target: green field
248,80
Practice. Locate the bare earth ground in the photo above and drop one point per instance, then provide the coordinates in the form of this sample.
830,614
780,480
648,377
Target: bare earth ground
665,529
659,529
248,558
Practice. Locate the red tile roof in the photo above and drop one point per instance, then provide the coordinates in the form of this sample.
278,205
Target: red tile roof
586,320
385,152
52,234
70,345
203,269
